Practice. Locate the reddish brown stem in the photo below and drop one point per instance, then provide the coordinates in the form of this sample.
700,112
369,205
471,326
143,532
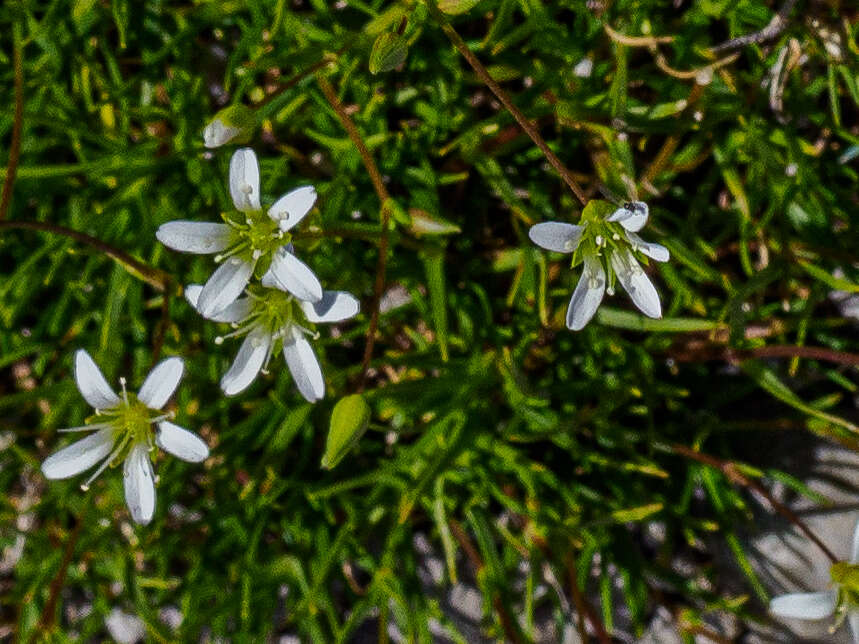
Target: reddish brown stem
384,216
17,125
46,620
733,474
153,276
517,114
507,623
583,607
728,354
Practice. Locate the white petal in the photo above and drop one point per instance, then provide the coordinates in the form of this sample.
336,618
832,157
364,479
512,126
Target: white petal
181,443
161,383
198,237
631,216
335,306
804,605
249,360
303,366
853,620
139,484
79,456
235,312
288,273
292,207
654,251
556,236
91,383
588,294
244,180
224,286
217,134
636,283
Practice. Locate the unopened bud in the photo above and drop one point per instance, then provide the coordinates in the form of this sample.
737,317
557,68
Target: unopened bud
233,124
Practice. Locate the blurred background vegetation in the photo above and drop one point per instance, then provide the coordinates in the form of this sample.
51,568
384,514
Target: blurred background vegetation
559,474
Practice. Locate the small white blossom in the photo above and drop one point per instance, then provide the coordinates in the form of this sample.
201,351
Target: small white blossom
122,432
268,318
841,600
606,244
248,236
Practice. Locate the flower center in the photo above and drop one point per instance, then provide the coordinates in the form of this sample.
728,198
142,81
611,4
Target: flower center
254,235
273,313
129,423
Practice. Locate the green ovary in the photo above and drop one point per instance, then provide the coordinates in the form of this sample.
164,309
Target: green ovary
130,423
255,234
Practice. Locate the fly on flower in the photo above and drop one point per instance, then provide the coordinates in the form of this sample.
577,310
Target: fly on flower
123,433
248,240
606,243
270,318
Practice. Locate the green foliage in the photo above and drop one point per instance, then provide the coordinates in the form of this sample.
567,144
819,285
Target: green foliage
500,438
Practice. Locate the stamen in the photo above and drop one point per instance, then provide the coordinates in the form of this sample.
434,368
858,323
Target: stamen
103,466
124,392
86,428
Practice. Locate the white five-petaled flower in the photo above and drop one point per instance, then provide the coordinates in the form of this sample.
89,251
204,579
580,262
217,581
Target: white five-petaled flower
123,433
268,316
842,599
249,239
606,244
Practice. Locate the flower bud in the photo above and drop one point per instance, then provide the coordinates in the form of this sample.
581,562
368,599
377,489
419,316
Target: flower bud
233,124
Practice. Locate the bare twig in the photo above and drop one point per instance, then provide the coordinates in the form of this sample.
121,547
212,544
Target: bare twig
524,123
153,276
774,28
732,473
384,216
17,125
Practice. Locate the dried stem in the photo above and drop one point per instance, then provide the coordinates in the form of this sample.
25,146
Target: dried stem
487,79
773,29
153,276
732,473
15,145
384,216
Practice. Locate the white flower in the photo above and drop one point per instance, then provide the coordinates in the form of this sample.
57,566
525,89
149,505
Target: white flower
249,238
269,318
606,244
122,432
840,600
